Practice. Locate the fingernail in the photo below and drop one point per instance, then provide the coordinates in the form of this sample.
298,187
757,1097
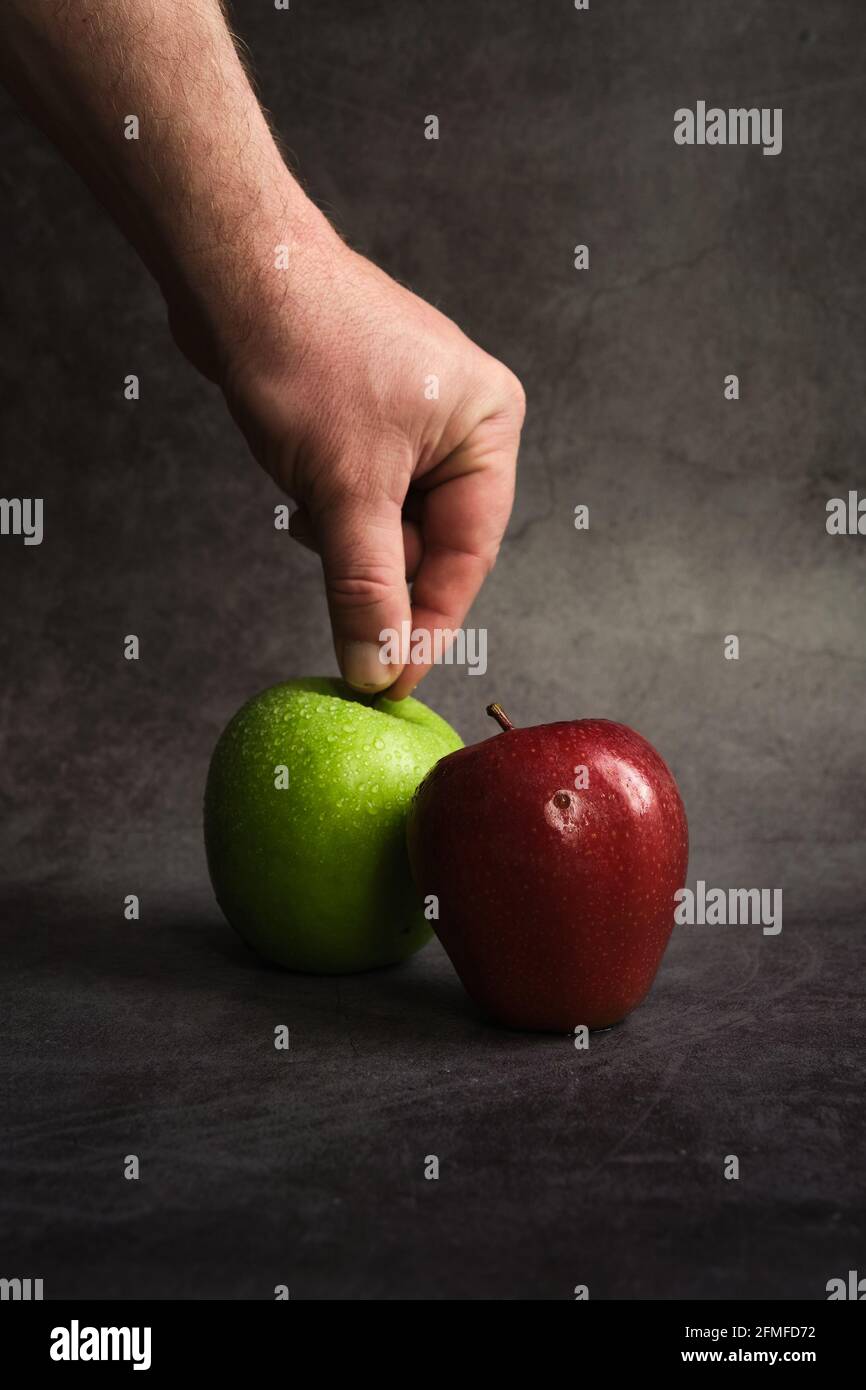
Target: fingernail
363,667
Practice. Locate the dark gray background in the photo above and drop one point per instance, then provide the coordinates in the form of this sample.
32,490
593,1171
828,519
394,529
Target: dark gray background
707,518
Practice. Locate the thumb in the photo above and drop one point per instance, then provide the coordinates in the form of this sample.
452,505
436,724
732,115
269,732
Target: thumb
361,545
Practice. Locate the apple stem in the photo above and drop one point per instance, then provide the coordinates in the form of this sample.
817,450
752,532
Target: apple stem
498,713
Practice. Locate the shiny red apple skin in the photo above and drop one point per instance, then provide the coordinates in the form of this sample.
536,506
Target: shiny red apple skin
555,904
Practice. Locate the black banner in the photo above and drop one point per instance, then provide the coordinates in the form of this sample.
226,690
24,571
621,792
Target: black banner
163,1339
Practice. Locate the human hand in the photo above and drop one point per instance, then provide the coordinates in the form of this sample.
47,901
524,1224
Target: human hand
328,365
333,394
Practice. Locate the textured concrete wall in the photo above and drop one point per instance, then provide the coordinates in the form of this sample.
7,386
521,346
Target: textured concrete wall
707,516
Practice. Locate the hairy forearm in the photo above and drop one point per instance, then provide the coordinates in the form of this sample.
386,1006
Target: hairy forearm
203,192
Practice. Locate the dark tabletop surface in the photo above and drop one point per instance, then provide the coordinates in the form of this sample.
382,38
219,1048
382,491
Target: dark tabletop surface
305,1167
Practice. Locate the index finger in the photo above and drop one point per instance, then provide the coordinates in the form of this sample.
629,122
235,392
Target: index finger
464,518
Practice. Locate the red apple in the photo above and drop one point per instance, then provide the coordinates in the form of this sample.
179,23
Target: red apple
554,853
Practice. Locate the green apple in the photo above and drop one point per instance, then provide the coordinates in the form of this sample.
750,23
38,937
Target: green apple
305,812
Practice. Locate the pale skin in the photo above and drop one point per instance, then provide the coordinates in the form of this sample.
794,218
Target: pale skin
326,364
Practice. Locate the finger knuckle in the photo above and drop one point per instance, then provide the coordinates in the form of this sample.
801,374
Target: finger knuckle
489,558
515,394
360,587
